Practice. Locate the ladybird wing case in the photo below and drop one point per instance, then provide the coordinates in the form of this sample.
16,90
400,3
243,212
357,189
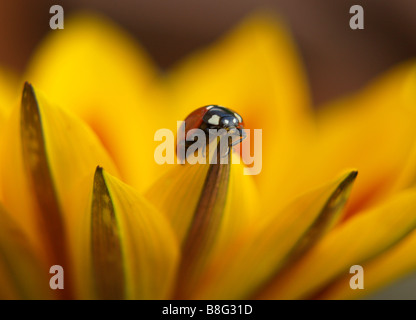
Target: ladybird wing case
194,119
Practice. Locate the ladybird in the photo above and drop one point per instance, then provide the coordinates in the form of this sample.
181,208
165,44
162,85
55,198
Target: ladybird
214,117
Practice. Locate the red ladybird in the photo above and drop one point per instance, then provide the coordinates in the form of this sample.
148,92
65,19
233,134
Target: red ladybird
213,117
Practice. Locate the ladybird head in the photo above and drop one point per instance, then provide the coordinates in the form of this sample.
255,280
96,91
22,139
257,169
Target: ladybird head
220,117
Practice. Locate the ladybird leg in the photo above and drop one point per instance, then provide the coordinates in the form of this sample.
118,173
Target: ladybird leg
236,141
242,134
227,152
239,138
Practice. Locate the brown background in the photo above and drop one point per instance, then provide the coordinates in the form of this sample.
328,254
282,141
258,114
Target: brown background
338,60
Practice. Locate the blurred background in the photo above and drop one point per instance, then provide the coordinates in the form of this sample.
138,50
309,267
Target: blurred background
338,60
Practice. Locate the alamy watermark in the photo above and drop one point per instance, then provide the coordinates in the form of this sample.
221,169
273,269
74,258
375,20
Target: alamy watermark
198,151
357,20
357,280
57,280
57,20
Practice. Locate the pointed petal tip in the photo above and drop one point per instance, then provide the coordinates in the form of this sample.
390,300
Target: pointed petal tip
350,177
348,181
29,100
99,170
28,91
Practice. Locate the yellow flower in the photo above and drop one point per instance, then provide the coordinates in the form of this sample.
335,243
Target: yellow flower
79,186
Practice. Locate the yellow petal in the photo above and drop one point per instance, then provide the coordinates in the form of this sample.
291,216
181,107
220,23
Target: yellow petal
49,154
22,275
254,70
129,247
372,131
379,272
207,205
176,195
248,262
407,174
359,239
96,70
